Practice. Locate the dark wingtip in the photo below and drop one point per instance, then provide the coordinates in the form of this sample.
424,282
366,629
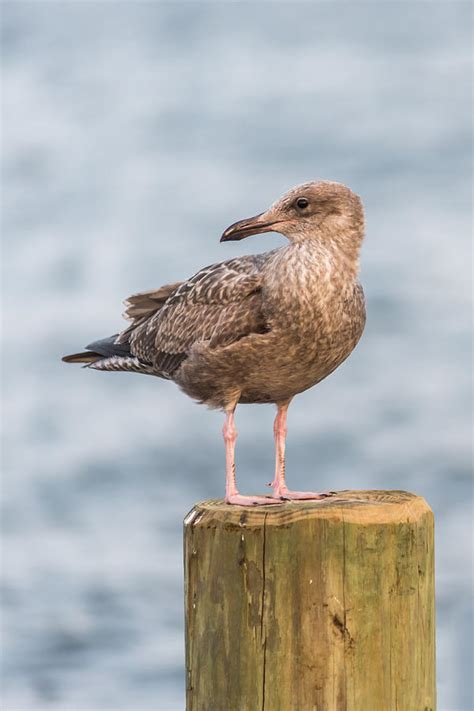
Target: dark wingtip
97,350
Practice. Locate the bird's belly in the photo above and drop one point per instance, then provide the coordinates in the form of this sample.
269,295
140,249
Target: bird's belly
271,367
294,369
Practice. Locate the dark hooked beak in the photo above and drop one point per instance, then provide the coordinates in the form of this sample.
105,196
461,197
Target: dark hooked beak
245,228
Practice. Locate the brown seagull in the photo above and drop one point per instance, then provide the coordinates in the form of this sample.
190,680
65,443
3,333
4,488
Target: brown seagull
259,328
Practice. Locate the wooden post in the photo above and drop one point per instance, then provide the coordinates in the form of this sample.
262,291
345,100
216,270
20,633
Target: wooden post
311,606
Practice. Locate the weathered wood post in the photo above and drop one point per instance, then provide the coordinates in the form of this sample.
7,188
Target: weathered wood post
311,606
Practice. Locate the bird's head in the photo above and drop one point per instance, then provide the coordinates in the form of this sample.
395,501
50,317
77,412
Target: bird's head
319,210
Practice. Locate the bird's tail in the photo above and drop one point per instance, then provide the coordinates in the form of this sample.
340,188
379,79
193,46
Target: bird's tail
86,357
107,354
105,348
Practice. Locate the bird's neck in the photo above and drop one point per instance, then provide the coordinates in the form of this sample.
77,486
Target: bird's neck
335,243
308,276
327,259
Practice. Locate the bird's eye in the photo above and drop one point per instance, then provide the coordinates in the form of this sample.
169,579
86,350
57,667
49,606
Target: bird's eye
302,203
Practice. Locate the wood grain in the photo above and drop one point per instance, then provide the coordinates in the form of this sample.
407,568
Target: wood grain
311,606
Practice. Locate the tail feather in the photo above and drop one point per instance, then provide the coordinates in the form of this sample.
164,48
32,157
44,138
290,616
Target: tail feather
86,357
106,354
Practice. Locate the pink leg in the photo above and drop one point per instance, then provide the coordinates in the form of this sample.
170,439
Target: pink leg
280,490
232,496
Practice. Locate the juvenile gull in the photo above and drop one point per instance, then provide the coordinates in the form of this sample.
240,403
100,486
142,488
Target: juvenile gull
259,328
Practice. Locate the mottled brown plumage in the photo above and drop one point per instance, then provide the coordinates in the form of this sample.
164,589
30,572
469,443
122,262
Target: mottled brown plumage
259,328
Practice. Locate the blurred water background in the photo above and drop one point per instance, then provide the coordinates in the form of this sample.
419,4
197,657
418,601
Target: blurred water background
133,134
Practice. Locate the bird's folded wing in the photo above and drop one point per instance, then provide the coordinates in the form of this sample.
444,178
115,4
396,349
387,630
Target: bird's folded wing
139,308
147,303
220,304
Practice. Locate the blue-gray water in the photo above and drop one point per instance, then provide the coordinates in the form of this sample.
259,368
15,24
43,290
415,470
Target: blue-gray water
133,133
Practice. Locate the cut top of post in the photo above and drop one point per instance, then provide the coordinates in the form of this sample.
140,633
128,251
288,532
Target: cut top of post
370,507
